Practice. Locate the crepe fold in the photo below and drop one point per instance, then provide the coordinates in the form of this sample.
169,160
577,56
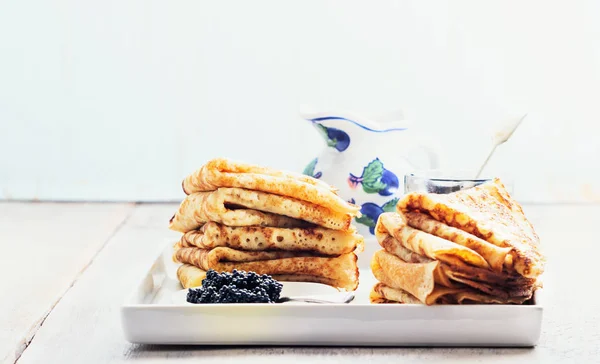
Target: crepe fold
433,282
242,207
440,295
190,276
416,278
423,243
457,273
340,271
255,238
494,256
488,212
223,172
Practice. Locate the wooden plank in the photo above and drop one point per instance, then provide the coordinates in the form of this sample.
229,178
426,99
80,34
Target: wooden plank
45,246
92,309
85,325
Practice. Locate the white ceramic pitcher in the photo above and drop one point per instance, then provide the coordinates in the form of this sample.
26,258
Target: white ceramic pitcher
366,159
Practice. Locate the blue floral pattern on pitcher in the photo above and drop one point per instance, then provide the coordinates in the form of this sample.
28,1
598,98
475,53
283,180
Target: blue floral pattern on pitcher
335,138
309,170
353,157
375,179
371,211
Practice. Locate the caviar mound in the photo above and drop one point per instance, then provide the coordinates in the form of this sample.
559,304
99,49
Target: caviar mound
235,287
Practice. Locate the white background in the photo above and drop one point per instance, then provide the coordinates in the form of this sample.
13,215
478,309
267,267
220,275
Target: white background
119,100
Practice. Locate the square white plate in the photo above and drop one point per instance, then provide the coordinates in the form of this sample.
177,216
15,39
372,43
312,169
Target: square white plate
156,313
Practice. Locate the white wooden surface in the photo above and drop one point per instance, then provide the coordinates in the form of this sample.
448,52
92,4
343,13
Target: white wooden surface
44,248
116,100
85,325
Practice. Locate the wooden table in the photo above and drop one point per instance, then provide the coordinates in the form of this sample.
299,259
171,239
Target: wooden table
68,267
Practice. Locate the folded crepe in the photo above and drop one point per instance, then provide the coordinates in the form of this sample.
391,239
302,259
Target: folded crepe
488,212
415,278
341,271
456,268
222,172
440,295
241,207
191,276
501,283
452,277
424,280
495,256
425,244
255,238
376,297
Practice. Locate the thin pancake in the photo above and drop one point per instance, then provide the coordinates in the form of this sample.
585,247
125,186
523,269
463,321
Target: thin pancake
382,293
222,172
488,212
501,284
494,255
240,207
255,238
191,276
488,288
503,279
415,278
342,271
422,243
393,246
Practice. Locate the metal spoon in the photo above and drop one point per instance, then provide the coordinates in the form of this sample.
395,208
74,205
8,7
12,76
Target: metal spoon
501,135
342,297
335,298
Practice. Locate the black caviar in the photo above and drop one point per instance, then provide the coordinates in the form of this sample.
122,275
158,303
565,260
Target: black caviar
235,287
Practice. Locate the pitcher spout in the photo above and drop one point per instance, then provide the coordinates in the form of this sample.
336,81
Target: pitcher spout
339,129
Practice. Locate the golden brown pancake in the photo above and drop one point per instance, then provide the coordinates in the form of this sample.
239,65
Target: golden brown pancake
494,255
416,278
509,279
241,207
255,238
382,293
341,271
222,172
488,212
455,278
420,279
393,246
425,244
501,283
191,276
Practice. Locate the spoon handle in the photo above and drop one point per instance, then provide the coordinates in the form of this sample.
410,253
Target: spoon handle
486,160
345,298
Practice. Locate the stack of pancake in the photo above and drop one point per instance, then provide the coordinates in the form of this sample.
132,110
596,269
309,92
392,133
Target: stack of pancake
246,217
470,246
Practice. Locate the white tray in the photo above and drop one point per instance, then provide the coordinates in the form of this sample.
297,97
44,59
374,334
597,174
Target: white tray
152,315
